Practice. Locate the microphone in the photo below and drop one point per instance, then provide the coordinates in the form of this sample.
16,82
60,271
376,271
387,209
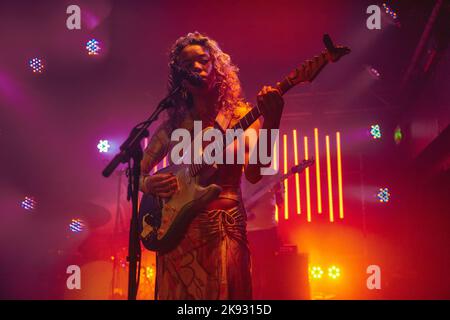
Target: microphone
191,77
167,102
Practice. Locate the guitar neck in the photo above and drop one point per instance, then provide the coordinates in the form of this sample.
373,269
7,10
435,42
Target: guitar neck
284,176
307,72
250,202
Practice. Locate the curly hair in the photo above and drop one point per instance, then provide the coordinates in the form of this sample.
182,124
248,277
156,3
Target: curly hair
226,82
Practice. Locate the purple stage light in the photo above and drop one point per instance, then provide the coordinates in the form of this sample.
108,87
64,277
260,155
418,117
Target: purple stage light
29,203
373,72
76,225
93,47
36,65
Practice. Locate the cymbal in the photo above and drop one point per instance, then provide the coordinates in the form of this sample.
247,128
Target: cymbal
94,215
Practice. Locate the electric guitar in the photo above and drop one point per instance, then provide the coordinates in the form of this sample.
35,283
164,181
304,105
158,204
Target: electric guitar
163,222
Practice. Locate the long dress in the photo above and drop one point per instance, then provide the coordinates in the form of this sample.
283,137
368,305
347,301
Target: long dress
212,261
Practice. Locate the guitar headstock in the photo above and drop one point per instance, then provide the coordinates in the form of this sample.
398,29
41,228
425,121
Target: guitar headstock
309,70
338,53
334,53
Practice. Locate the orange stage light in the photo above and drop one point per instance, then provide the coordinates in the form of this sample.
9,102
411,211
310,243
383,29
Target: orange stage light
330,190
297,176
286,200
318,183
339,165
308,187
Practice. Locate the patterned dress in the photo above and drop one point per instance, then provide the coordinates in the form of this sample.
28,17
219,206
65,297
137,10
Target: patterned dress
212,261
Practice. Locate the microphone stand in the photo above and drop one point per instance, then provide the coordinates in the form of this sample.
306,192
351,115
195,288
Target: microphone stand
131,153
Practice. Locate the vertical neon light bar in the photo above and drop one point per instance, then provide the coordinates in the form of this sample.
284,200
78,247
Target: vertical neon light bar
165,162
275,166
308,187
339,165
297,176
286,209
330,190
318,183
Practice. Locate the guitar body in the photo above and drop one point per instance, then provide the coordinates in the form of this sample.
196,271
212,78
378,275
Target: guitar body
162,223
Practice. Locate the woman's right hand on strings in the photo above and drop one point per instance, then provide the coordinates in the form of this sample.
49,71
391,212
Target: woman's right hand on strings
161,184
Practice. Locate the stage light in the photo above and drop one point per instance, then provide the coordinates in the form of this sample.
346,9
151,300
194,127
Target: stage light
36,65
373,72
375,131
390,11
103,146
316,272
145,143
383,195
29,203
334,272
318,183
392,15
329,179
297,176
276,167
307,182
76,225
149,273
339,165
286,185
93,47
398,136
